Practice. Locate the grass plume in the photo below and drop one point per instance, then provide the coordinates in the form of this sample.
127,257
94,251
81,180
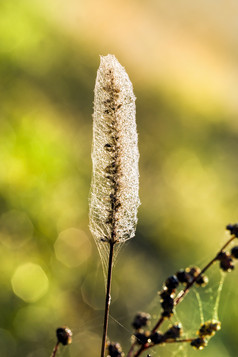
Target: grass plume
114,197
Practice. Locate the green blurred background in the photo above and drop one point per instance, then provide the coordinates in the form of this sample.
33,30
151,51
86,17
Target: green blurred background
182,58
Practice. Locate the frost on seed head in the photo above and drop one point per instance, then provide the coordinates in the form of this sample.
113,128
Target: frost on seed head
114,198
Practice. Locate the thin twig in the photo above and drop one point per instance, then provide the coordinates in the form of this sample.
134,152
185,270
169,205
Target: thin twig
142,349
181,340
147,346
55,349
157,325
108,297
129,354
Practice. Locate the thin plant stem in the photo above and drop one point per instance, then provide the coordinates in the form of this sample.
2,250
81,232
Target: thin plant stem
181,340
157,325
130,352
108,298
160,321
142,349
147,346
55,349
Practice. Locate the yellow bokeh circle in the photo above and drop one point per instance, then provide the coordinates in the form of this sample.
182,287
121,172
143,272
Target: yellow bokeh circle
72,247
29,282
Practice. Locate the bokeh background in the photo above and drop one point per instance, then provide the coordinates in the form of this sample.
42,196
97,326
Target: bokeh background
182,58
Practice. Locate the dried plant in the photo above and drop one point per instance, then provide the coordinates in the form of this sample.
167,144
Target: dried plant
114,198
114,201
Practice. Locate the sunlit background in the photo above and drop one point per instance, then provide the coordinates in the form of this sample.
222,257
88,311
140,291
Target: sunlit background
182,58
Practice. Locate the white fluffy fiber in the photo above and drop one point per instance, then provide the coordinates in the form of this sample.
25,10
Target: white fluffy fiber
114,156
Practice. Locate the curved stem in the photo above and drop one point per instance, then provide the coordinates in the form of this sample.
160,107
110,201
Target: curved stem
107,299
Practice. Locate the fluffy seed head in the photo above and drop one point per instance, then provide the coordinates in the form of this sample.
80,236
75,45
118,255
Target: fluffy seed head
114,198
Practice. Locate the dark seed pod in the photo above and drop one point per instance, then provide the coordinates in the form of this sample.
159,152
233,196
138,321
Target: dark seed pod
167,314
172,282
234,252
141,338
157,338
193,272
165,294
167,304
173,332
199,343
222,256
114,350
233,228
182,276
209,328
202,280
140,320
64,335
227,264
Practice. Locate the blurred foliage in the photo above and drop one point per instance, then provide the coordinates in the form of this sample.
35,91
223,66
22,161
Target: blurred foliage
182,59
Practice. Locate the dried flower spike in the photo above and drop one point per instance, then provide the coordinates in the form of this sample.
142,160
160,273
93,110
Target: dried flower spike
114,196
115,180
